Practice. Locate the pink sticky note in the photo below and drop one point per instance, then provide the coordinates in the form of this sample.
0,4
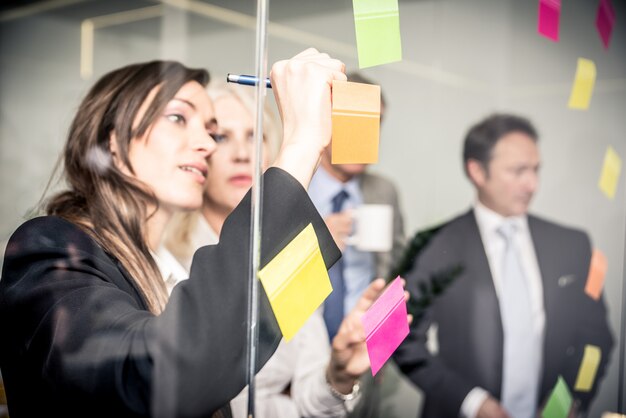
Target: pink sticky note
605,19
548,21
385,325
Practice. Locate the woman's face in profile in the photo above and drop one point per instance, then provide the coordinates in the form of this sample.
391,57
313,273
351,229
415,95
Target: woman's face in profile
171,157
230,166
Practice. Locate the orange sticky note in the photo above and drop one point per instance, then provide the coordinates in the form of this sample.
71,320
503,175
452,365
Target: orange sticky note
597,271
356,123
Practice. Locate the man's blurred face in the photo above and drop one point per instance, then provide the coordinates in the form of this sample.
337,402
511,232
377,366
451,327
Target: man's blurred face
512,177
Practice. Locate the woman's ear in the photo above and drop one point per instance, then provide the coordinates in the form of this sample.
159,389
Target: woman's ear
115,153
113,145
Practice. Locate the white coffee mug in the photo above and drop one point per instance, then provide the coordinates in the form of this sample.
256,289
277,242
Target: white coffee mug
373,228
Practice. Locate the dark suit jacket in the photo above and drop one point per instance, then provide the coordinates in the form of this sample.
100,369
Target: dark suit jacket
470,332
77,339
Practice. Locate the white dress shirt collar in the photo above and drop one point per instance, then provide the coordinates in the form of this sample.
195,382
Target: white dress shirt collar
489,221
171,270
324,187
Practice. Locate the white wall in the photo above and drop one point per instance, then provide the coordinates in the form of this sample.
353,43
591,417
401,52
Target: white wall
462,60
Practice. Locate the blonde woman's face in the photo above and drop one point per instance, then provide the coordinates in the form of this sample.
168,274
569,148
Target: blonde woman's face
230,166
171,158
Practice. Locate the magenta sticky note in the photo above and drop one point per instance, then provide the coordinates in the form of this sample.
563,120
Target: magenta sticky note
548,20
605,19
385,325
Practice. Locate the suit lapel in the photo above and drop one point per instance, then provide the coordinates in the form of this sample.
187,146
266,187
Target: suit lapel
490,340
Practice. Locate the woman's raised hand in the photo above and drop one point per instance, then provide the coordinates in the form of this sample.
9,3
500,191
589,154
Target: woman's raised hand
302,87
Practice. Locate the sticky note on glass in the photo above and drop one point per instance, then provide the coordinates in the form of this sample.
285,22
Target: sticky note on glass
296,282
356,123
605,19
597,271
385,325
588,368
611,170
583,84
377,25
559,402
548,19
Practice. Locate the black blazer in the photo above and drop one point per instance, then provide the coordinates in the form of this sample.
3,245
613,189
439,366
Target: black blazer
470,334
77,339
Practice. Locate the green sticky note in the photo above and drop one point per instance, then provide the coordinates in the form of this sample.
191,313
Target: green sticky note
559,402
377,24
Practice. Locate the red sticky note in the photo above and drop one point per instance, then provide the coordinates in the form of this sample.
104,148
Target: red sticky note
605,19
597,271
548,19
385,324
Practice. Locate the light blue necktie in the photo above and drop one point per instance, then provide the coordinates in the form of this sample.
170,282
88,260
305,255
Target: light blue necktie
522,348
334,303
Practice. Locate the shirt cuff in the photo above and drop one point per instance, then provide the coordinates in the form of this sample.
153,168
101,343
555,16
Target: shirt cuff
472,402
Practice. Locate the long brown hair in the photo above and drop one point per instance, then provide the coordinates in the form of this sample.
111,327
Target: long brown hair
106,203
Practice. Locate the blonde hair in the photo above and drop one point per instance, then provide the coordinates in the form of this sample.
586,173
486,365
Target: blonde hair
245,95
180,229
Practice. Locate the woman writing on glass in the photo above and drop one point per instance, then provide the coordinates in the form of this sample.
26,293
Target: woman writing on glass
88,327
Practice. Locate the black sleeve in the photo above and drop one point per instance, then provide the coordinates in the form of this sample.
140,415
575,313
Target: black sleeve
181,386
78,340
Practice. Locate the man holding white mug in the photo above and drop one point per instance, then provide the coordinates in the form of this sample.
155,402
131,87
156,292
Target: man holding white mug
362,212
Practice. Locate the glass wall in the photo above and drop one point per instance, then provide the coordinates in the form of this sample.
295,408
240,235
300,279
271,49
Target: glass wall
462,60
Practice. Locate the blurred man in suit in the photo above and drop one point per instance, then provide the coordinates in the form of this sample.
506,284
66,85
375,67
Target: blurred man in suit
517,316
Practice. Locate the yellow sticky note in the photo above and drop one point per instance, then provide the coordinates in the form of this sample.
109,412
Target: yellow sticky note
296,282
583,84
597,271
356,123
610,172
588,368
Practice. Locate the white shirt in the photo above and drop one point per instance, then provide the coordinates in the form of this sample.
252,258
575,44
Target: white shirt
488,223
171,270
202,235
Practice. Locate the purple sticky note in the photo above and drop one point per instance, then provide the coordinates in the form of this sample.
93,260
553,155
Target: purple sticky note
605,19
548,22
385,325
